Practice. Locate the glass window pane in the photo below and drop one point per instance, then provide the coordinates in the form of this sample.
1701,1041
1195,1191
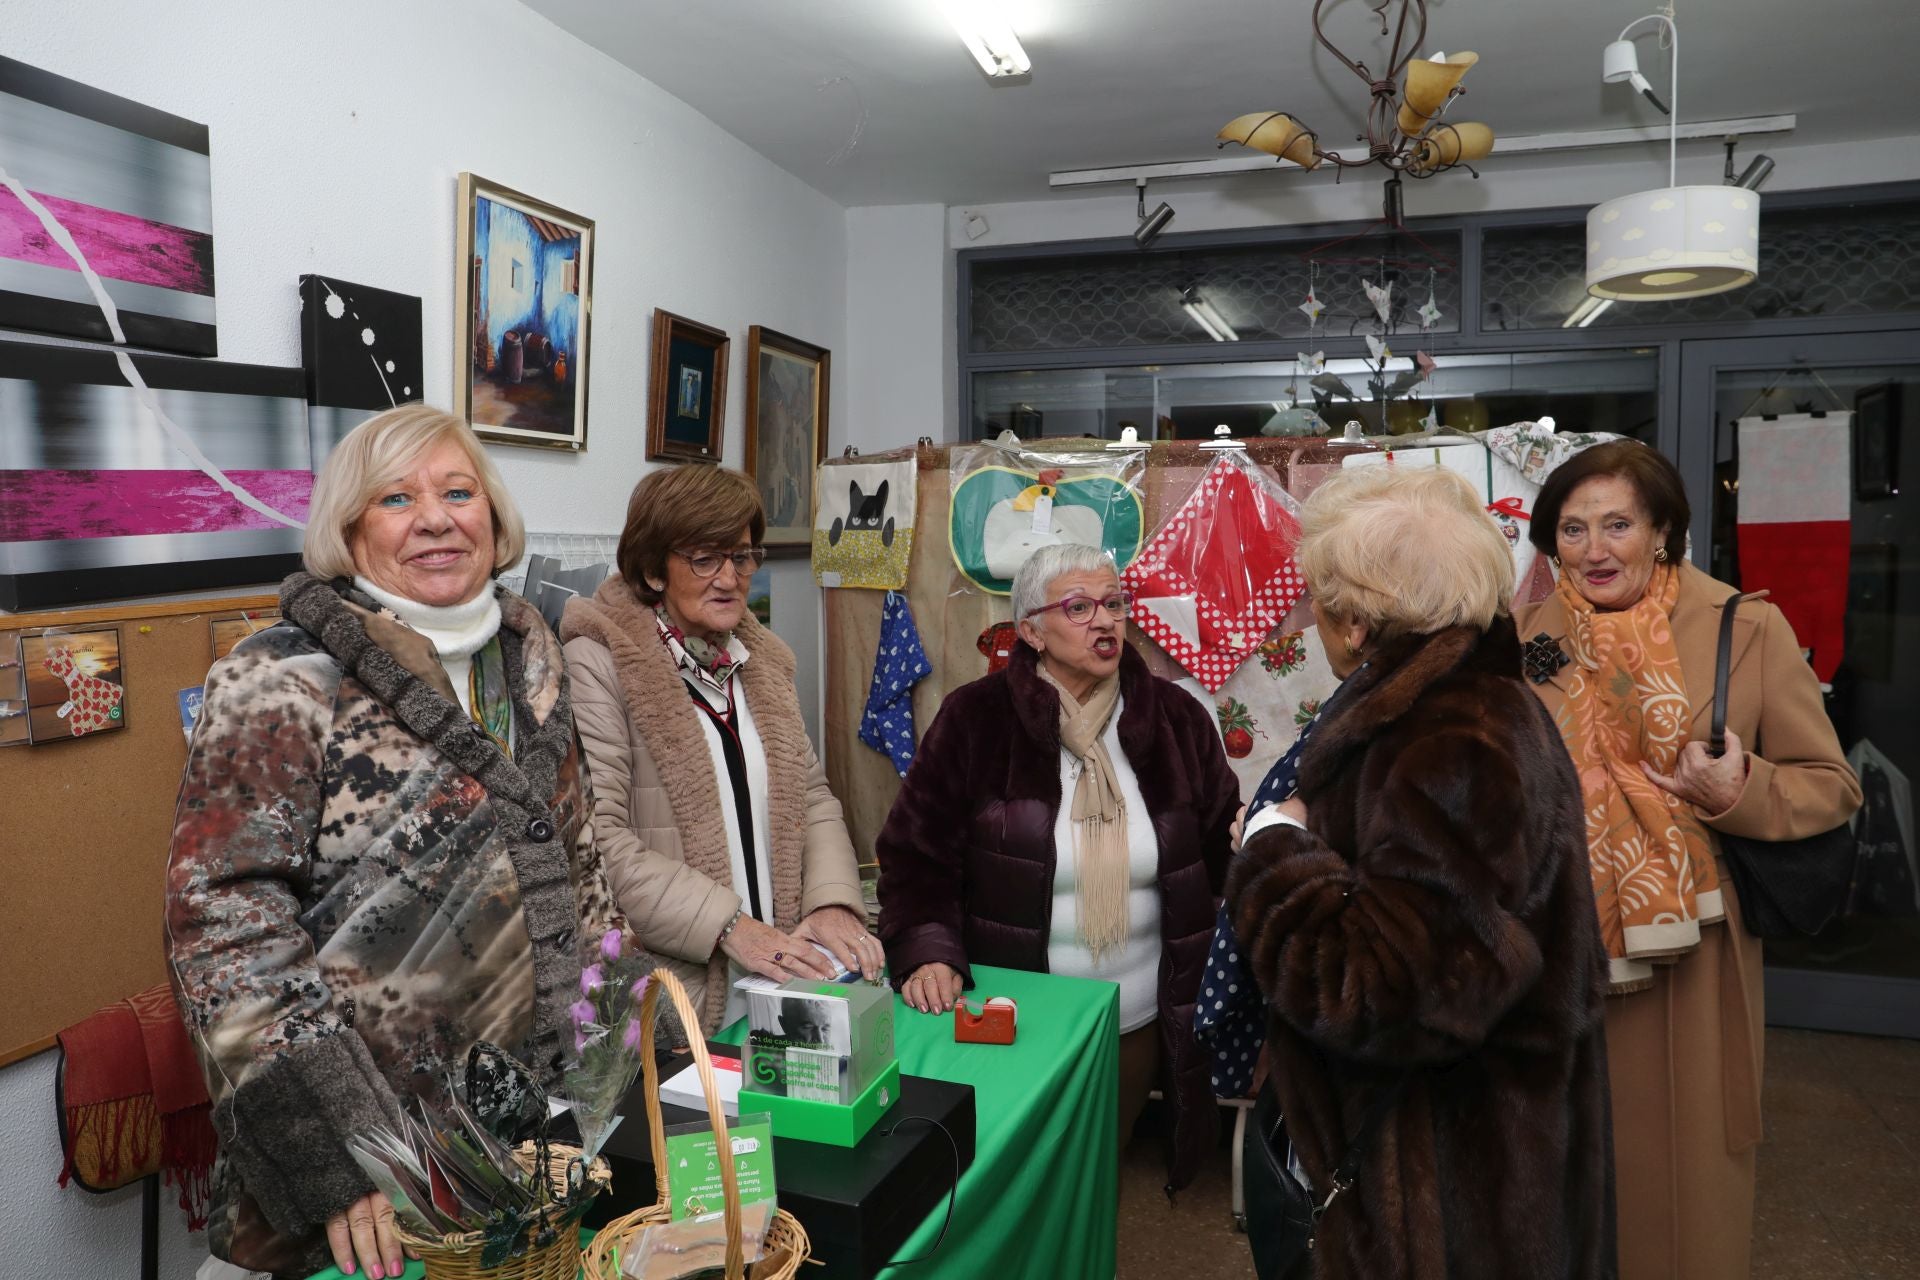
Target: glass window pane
1583,391
1876,686
1242,294
1833,261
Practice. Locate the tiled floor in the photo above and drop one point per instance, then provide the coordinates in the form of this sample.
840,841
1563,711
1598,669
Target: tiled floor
1839,1195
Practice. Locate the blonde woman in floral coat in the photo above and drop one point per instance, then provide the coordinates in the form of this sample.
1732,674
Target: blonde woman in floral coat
382,851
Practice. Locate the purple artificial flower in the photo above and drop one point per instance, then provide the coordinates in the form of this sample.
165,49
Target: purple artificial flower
610,945
583,1012
592,978
631,1036
640,989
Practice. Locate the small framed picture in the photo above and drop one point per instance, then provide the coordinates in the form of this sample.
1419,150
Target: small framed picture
523,285
75,683
1876,441
687,393
787,393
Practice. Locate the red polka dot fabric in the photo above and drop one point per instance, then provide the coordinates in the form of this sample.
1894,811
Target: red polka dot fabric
1220,573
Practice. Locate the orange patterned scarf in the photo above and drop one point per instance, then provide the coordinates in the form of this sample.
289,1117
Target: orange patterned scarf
1652,863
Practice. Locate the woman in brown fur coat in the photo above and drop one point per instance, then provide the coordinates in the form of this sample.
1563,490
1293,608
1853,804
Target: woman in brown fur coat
1419,916
719,831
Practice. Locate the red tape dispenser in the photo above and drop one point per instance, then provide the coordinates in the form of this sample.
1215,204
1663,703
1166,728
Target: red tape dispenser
991,1023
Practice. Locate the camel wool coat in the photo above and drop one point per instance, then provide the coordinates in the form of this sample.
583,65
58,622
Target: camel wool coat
656,802
1685,1057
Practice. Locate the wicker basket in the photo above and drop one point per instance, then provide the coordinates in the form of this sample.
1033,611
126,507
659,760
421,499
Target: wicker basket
786,1244
457,1257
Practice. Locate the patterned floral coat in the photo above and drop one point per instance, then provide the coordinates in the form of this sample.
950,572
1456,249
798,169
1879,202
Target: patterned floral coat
360,886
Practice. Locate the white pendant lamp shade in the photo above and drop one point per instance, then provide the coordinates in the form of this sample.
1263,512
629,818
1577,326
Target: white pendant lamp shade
1677,242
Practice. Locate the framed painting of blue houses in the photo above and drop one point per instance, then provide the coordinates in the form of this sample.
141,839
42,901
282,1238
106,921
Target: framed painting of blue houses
524,285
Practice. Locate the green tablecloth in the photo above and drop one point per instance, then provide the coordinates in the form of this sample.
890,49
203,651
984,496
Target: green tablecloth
1041,1196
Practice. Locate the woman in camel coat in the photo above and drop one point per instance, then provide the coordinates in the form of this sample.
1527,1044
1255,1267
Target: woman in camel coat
713,814
1685,1015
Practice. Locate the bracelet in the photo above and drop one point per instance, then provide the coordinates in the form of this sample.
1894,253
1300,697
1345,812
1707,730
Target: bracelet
726,930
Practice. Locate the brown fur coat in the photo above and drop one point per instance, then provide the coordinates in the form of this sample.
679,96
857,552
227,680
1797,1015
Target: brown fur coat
1435,921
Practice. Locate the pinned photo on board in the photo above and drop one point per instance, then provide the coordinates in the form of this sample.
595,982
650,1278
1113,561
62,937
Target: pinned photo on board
75,683
231,630
13,692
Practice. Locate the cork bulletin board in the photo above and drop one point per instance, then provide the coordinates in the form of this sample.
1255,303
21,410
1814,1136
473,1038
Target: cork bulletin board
84,822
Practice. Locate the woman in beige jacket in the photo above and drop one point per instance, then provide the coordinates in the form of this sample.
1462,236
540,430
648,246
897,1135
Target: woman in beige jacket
1623,656
723,844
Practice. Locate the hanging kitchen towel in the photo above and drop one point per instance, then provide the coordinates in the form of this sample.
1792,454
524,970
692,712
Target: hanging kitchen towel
1008,502
863,526
901,663
1264,703
1219,575
1795,523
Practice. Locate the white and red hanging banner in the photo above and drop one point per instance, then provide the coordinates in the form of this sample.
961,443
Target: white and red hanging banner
1796,523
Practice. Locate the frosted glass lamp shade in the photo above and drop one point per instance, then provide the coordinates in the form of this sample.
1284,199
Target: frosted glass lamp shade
1430,82
1273,132
1677,242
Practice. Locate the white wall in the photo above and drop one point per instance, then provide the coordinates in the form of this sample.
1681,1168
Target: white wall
338,130
900,313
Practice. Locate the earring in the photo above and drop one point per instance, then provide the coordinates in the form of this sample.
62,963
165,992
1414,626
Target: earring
1353,650
1660,554
1556,561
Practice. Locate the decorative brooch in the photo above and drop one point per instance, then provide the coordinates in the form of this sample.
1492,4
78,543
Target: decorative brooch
1542,659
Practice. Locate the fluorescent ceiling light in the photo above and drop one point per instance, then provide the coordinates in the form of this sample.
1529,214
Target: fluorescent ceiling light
1206,317
1589,310
989,37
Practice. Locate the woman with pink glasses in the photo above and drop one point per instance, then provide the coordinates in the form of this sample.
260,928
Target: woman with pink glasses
1070,815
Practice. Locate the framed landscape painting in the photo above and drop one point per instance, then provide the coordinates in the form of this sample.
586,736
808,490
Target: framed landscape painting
524,286
687,390
787,392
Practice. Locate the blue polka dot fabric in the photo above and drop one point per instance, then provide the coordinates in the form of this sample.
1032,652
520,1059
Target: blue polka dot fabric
887,723
1229,1017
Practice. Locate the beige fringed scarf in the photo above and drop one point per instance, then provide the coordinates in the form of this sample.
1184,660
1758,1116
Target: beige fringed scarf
1099,813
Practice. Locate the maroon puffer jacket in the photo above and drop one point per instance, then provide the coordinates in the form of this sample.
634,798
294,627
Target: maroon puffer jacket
967,855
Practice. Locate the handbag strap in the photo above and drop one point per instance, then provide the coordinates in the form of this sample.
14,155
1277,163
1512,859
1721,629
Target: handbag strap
1723,669
1349,1167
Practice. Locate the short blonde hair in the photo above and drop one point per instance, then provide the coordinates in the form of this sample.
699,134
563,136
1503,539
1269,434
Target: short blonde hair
375,454
1405,551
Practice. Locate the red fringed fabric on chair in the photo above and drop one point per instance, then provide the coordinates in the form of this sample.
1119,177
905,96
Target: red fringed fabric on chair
132,1102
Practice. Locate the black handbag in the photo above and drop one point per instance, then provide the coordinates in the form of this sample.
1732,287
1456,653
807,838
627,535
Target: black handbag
1786,887
1282,1215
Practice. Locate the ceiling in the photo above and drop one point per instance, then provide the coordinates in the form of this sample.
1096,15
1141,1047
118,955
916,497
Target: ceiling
877,101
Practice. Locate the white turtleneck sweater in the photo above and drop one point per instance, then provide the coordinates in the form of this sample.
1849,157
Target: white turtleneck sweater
457,631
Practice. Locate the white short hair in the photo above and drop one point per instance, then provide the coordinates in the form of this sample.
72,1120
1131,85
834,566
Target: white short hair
375,454
1405,551
1033,582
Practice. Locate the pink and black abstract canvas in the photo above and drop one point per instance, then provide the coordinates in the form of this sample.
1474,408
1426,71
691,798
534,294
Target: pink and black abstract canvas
360,350
133,186
98,503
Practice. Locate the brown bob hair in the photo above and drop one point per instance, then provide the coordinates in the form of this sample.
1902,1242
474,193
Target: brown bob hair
1642,466
682,508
